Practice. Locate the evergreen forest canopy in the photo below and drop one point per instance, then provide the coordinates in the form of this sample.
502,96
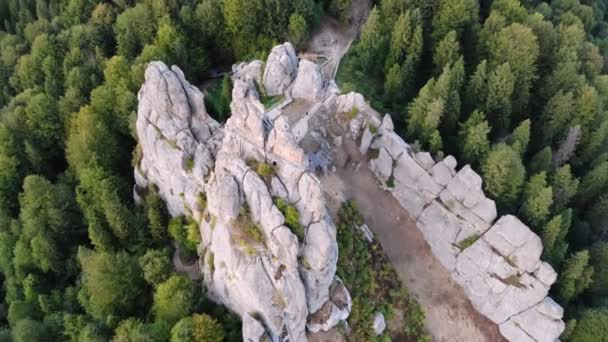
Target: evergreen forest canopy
79,260
516,89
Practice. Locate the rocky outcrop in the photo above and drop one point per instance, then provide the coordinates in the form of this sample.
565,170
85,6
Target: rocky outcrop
281,69
283,286
309,82
497,263
252,263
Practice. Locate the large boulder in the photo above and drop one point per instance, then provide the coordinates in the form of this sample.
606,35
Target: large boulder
281,69
309,83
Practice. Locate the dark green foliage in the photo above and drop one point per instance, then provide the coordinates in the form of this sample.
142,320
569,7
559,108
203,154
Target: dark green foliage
537,200
217,101
576,276
591,326
372,282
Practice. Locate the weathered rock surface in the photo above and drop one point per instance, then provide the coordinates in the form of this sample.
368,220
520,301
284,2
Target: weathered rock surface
497,263
281,69
276,283
309,82
282,286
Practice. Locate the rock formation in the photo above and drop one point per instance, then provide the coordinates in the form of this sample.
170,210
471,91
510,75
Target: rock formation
496,262
280,285
273,281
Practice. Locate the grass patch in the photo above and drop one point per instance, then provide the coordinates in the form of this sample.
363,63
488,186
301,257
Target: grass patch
351,114
267,101
245,223
373,128
292,217
189,164
468,242
264,169
373,284
513,280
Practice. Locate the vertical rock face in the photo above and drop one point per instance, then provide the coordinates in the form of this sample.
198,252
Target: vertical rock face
282,285
281,69
309,82
497,263
274,281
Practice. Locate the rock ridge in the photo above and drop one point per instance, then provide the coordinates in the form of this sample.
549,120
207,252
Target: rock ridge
497,262
283,286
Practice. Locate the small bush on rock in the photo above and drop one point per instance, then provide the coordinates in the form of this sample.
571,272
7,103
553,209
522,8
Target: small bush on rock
292,217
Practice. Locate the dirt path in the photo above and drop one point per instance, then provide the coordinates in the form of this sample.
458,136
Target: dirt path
449,314
332,39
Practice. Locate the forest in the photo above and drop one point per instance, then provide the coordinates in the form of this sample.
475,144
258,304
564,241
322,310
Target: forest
514,88
79,260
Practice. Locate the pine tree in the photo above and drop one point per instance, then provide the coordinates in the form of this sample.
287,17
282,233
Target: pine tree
576,276
371,42
541,161
405,50
564,186
503,175
473,138
553,235
599,261
455,15
520,137
476,92
556,115
517,45
501,83
537,200
593,183
447,51
598,215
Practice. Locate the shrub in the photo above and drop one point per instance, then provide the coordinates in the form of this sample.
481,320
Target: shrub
189,164
351,114
466,243
373,129
246,225
372,283
265,170
292,217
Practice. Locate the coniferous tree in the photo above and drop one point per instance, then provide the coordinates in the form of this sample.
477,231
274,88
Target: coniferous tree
520,137
500,87
565,186
537,200
503,174
576,276
541,161
473,137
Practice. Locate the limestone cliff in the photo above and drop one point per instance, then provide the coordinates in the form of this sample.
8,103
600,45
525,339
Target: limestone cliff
271,279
